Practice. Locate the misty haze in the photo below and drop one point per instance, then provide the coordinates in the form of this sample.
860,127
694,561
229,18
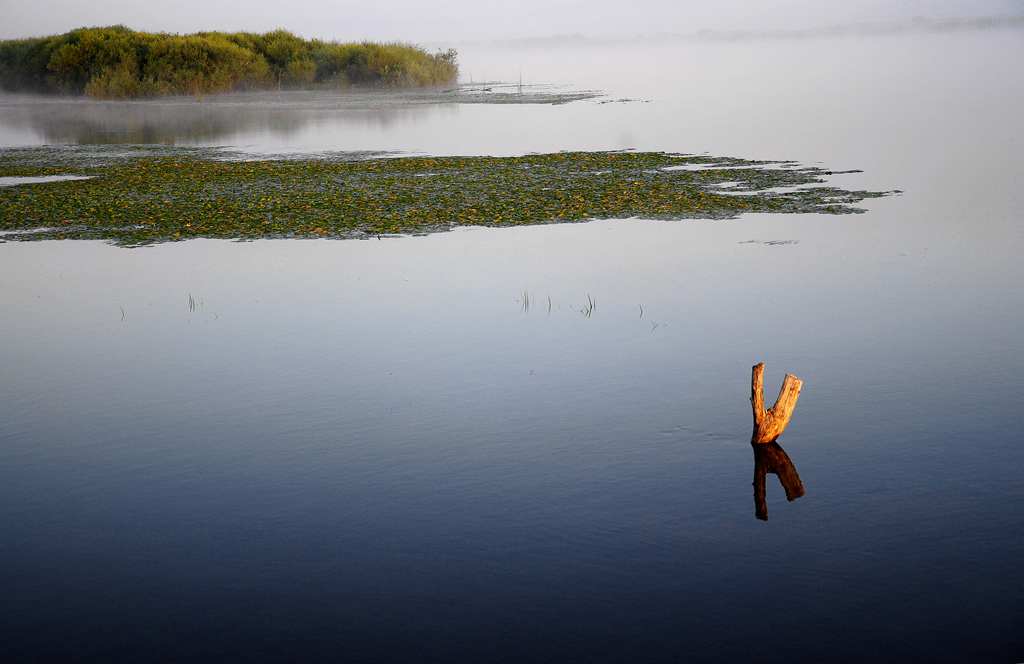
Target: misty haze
562,331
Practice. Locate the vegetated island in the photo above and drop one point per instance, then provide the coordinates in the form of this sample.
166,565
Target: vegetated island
145,195
117,63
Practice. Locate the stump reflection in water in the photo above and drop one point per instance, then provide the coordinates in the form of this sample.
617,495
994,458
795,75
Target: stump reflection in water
771,458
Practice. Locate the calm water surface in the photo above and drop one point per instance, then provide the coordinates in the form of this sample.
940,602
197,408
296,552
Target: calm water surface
372,450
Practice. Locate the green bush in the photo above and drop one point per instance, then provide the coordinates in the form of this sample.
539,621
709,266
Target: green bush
116,62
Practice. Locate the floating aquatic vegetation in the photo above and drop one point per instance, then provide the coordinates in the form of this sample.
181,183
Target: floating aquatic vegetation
142,195
503,93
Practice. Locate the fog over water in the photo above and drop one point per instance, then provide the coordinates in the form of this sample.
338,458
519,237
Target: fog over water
373,450
466,20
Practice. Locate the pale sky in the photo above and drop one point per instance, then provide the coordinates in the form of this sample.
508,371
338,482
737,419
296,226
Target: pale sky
440,20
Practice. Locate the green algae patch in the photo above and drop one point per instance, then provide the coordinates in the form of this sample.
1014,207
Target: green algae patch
142,196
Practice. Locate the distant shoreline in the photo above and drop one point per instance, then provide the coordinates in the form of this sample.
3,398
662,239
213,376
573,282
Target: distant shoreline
119,63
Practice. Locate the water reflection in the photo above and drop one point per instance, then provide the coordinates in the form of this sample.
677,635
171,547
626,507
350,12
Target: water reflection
193,121
280,114
771,458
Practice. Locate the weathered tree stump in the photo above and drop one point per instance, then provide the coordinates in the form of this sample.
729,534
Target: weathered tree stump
769,424
771,458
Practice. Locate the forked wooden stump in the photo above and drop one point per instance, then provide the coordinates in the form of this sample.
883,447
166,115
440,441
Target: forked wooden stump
769,424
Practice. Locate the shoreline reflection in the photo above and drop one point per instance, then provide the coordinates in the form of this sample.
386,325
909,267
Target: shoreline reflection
183,121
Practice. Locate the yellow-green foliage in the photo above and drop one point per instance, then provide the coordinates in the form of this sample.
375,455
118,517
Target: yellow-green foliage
116,62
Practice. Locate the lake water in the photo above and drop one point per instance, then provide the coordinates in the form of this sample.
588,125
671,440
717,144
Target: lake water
375,450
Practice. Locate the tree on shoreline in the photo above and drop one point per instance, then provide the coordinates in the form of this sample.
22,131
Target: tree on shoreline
117,62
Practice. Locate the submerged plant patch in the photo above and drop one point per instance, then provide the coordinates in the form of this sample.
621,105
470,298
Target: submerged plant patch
144,195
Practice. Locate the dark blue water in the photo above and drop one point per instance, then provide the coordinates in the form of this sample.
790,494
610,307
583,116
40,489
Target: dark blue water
369,450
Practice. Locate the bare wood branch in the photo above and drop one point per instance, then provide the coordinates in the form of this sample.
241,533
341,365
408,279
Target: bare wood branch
769,424
757,393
